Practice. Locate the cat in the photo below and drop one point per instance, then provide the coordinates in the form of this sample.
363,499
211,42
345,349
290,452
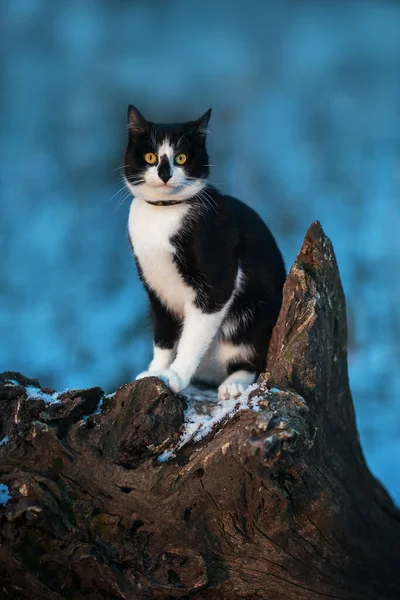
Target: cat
211,267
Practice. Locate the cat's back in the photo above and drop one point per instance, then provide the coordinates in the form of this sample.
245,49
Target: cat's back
256,246
245,218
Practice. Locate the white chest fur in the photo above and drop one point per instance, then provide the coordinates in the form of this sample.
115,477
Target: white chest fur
151,229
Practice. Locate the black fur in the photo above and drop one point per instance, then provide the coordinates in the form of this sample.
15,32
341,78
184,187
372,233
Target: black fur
209,250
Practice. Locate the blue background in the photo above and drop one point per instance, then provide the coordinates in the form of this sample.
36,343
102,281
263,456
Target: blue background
305,125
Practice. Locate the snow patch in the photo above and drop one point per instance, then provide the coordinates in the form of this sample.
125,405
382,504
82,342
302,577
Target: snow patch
98,408
165,456
198,425
4,494
204,411
35,393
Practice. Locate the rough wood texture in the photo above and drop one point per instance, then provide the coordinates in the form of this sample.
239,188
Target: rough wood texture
276,504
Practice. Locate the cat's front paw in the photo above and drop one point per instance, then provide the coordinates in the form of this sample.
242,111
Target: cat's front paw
145,374
172,380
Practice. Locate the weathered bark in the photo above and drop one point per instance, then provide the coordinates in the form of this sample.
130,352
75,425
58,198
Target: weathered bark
276,504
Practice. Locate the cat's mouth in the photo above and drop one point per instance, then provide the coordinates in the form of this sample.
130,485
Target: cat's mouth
167,187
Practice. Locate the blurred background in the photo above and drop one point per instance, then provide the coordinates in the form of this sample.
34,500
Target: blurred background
305,125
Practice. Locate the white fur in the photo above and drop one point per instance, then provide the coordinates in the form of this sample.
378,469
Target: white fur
162,358
213,367
150,230
199,330
230,326
229,352
179,187
167,149
235,384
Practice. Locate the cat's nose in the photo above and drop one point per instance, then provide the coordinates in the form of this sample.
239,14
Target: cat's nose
164,175
164,170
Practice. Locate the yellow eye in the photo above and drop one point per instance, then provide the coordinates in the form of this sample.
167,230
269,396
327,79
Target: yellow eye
150,158
180,159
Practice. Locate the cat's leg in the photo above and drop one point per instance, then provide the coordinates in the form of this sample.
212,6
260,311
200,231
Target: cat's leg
166,329
199,330
236,383
162,358
240,363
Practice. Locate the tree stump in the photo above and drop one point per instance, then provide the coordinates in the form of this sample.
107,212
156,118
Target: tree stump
276,502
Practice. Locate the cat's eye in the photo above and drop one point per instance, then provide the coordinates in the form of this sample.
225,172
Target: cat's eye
150,158
180,159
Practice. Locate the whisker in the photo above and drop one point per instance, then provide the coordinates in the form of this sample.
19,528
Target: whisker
208,200
153,133
212,200
123,188
121,202
183,137
119,168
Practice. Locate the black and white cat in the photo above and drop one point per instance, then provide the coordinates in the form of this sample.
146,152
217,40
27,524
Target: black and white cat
211,267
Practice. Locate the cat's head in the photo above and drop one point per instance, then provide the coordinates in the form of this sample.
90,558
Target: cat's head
166,162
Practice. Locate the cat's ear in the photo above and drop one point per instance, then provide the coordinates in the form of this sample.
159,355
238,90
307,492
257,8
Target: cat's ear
136,121
200,126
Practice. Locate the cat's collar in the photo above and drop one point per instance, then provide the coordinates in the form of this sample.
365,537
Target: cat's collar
166,202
